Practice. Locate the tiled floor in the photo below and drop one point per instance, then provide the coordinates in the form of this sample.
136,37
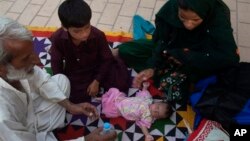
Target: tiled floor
108,15
116,15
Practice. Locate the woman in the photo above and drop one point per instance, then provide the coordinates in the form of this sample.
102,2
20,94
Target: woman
193,37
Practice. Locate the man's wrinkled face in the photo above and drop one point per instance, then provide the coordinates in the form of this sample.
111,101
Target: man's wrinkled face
22,61
18,74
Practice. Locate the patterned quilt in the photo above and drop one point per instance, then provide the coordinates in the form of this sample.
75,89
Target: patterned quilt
173,129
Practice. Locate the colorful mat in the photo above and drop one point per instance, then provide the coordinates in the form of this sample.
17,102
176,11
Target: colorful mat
172,129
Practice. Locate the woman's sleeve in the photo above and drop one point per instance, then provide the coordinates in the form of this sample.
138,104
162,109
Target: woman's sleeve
217,52
217,48
160,38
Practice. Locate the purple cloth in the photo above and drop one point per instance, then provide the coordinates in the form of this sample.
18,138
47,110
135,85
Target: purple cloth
92,59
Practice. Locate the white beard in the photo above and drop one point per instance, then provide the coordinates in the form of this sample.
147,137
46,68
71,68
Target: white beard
15,74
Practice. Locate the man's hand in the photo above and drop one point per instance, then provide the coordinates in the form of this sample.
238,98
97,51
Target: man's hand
96,136
93,88
142,76
84,108
81,108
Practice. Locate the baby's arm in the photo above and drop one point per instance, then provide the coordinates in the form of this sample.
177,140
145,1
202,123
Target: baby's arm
144,92
145,85
148,137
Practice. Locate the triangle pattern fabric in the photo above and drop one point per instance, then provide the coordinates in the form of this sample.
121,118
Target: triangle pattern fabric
169,129
78,125
156,132
138,136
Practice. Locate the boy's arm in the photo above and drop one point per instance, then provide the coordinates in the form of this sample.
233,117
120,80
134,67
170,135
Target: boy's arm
57,64
106,57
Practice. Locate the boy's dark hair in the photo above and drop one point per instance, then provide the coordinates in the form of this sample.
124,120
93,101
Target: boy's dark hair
74,13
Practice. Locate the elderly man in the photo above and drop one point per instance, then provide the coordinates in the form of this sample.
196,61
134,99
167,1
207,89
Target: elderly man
32,103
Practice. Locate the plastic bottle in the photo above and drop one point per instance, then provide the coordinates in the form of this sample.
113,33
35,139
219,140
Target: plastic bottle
107,128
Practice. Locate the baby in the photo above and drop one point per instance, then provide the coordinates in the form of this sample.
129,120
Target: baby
142,108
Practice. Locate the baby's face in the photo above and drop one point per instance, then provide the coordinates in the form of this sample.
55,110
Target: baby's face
158,110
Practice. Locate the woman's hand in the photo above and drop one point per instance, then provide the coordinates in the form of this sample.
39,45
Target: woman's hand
142,76
93,88
174,61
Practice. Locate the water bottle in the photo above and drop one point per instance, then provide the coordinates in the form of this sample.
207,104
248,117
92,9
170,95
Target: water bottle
107,128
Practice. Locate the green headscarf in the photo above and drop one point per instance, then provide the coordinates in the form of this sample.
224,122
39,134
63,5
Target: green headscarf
206,9
203,8
209,43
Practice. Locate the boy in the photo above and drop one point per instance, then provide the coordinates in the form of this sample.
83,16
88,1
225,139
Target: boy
81,52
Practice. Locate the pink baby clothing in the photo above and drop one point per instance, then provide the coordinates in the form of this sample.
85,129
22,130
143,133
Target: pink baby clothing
115,104
109,102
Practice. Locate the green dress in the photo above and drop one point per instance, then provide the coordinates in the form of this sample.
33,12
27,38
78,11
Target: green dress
211,45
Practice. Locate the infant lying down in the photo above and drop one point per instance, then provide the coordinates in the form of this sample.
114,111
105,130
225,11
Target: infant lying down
142,108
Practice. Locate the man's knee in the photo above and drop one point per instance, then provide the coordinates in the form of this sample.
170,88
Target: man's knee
62,82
